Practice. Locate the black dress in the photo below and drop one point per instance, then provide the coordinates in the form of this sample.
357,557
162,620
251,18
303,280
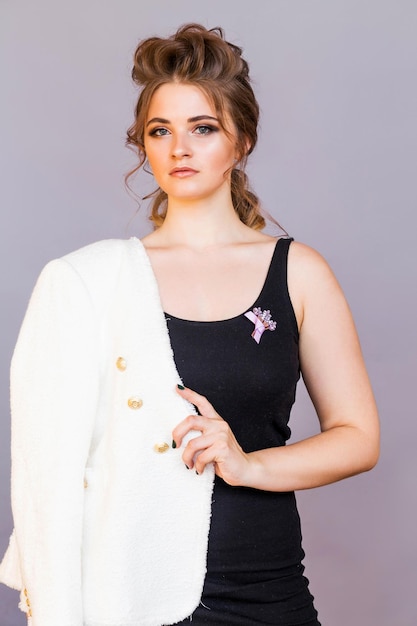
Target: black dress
248,368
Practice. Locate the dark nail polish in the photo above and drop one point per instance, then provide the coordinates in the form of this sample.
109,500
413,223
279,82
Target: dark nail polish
197,473
181,387
186,466
174,445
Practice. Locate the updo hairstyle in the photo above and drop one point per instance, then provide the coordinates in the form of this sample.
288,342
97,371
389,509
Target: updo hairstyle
201,57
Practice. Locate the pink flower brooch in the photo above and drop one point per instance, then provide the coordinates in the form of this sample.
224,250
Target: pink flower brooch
262,321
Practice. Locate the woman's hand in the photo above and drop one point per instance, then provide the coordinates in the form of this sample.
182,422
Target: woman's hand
216,444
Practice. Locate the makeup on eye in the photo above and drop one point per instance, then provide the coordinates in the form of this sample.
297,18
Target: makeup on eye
205,129
200,129
158,132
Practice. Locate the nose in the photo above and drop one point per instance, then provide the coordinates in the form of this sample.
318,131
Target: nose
181,146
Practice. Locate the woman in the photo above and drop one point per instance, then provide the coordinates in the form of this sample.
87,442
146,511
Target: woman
119,425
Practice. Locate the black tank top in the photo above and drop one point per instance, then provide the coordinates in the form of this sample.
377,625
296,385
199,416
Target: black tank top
248,367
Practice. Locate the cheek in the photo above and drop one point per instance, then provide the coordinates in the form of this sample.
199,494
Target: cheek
220,156
153,157
149,151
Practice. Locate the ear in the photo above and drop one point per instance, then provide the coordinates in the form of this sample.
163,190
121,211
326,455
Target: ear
249,147
247,150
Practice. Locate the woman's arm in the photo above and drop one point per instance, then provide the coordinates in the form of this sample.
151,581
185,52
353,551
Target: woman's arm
336,379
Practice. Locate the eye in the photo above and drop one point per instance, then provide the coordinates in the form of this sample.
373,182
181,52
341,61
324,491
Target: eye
205,129
159,132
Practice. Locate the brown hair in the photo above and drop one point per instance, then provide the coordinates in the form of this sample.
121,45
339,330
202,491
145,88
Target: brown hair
195,55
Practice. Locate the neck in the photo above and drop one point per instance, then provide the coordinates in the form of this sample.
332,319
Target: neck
201,224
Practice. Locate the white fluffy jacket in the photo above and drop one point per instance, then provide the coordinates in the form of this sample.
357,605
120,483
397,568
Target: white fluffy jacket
108,531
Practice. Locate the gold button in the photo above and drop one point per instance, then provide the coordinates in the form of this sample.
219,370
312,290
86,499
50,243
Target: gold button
121,364
161,447
85,483
25,591
27,602
29,613
134,402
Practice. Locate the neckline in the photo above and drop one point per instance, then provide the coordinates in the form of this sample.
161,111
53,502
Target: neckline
181,320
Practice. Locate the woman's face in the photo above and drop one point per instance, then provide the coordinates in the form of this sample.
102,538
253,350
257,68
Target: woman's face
186,147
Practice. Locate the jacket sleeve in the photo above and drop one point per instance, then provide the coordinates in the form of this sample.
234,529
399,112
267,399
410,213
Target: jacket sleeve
54,395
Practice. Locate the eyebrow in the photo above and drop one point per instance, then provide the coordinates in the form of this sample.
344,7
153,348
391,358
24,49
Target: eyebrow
197,118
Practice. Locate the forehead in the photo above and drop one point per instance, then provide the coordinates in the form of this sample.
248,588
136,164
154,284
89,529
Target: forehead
176,100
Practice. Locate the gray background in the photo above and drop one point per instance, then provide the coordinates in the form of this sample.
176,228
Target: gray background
336,165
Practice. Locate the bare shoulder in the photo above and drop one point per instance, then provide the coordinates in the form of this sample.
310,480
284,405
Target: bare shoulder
311,281
307,268
306,259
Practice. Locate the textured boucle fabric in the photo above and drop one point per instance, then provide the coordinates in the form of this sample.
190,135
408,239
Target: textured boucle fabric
108,532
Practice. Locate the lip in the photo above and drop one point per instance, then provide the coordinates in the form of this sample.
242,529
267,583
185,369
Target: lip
182,172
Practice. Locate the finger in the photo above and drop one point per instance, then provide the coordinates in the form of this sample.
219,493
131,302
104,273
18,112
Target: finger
203,405
202,460
216,453
196,447
188,425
